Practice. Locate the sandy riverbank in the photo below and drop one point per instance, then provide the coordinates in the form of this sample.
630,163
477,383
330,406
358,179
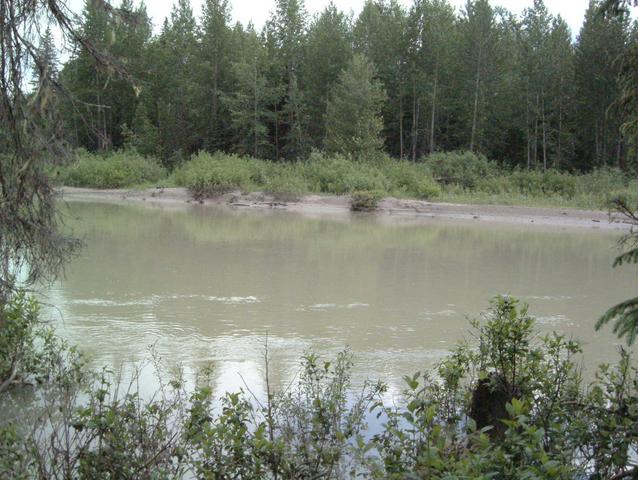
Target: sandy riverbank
418,210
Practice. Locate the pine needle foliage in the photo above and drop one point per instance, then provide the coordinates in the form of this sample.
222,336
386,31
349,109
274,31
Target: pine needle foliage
625,314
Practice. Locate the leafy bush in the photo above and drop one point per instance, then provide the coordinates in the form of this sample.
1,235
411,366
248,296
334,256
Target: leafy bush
340,175
463,168
606,184
539,183
497,185
410,179
213,174
128,437
30,352
285,186
115,170
308,431
606,179
426,189
365,201
510,405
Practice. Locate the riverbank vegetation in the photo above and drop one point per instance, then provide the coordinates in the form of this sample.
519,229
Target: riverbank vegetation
454,176
505,403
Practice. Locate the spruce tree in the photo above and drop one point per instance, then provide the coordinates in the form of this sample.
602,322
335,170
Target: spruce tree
599,46
380,34
328,49
431,31
251,98
214,73
353,119
286,31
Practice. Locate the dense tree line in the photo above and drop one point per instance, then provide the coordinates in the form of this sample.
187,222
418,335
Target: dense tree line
521,90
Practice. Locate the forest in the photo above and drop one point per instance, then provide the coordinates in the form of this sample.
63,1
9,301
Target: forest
522,90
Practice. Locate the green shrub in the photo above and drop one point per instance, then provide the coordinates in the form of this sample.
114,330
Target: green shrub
340,175
426,189
365,201
499,185
285,185
605,179
606,184
115,170
463,168
213,174
30,352
539,183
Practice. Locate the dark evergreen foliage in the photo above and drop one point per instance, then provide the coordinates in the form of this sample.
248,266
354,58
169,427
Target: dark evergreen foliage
519,90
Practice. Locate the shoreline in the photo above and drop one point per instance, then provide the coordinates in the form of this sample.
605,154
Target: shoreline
420,211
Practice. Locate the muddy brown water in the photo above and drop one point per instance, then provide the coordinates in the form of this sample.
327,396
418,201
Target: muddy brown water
208,285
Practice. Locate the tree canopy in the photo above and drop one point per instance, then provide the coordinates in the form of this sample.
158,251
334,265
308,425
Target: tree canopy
522,90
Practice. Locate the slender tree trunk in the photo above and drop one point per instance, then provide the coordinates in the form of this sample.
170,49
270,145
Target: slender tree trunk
619,152
255,121
536,131
415,128
276,132
418,119
559,154
544,135
214,116
401,123
476,101
535,144
433,112
604,145
597,144
527,129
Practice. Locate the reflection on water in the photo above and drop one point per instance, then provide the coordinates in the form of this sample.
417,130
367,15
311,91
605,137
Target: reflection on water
207,285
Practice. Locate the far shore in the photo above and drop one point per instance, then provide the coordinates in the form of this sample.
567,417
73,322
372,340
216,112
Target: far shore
405,209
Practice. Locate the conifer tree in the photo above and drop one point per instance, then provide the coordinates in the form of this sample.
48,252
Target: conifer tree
353,119
328,50
380,34
214,73
478,53
431,30
249,103
107,101
174,88
599,46
286,31
546,57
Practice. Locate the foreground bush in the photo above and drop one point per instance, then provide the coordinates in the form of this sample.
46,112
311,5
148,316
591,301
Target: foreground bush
507,405
115,170
30,352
